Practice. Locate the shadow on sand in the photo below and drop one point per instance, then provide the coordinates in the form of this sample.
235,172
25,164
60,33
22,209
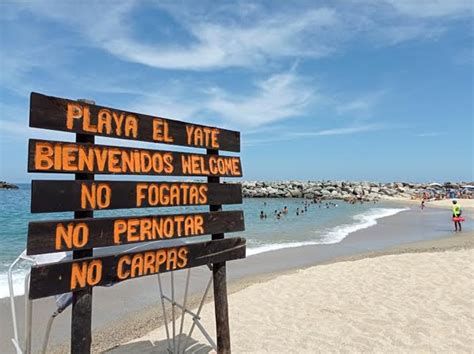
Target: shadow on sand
161,346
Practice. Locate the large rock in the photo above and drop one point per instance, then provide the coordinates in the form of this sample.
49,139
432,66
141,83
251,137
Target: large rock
6,185
295,193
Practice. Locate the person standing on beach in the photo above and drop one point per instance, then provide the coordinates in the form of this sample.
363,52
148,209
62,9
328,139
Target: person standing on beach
422,204
457,211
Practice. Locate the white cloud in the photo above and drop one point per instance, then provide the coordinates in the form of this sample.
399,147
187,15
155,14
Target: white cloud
433,8
24,51
341,131
295,135
264,104
13,128
272,99
214,44
396,34
217,45
279,97
214,36
20,131
176,105
362,105
429,134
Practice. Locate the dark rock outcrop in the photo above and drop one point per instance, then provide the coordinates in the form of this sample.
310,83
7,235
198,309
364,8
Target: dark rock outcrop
5,185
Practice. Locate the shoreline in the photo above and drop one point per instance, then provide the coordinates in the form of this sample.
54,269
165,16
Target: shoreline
147,320
132,315
448,244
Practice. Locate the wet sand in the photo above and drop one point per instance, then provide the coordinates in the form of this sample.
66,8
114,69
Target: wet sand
403,302
135,310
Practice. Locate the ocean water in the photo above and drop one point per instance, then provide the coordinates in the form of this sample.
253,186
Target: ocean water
319,225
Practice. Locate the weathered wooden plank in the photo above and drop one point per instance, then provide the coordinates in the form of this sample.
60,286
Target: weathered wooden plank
51,196
65,157
57,278
68,235
61,114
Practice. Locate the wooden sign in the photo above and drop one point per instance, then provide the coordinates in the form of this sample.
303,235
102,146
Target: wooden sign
62,157
52,196
61,114
84,194
77,234
58,278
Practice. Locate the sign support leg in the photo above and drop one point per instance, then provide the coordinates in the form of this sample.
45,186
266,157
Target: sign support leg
81,315
220,287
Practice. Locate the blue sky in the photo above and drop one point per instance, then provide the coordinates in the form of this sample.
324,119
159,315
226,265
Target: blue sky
355,89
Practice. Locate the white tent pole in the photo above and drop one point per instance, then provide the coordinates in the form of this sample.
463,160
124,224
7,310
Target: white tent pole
164,312
184,308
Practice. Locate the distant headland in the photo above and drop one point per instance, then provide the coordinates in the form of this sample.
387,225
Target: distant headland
6,185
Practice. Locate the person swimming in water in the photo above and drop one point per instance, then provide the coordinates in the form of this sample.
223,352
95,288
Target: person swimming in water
262,215
297,211
285,210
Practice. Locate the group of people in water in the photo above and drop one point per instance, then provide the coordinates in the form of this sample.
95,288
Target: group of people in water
278,214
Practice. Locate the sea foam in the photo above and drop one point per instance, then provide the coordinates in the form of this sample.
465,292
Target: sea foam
361,221
335,234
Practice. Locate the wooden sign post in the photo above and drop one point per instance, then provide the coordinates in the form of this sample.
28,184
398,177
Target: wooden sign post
220,285
84,195
81,313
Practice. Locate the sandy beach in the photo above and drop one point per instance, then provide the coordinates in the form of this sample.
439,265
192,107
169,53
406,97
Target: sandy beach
466,204
332,289
419,301
446,203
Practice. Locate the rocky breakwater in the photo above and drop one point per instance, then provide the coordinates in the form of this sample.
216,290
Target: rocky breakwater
5,185
367,191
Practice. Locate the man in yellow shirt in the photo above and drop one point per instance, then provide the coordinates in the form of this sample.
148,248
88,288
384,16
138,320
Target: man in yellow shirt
457,211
